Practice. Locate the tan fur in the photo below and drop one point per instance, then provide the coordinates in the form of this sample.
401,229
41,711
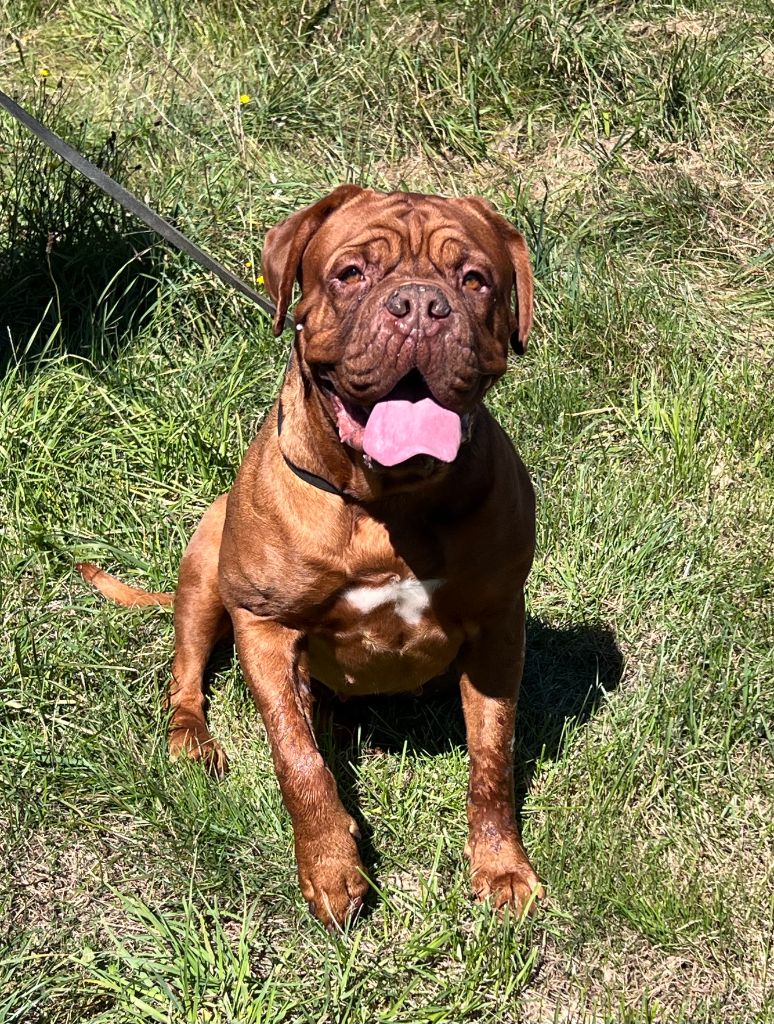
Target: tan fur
120,593
278,560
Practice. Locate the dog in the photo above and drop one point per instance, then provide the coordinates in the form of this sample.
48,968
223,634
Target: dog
381,526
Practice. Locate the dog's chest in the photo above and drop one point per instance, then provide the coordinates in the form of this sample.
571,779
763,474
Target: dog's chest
383,631
387,584
409,599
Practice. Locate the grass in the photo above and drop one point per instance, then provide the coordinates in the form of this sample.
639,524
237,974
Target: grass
632,143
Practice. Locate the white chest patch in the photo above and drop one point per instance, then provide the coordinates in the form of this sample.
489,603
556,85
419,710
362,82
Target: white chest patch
410,597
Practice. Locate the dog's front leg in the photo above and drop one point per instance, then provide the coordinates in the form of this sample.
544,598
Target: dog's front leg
492,666
330,871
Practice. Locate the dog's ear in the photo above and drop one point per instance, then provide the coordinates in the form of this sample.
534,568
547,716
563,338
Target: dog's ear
525,288
285,243
522,269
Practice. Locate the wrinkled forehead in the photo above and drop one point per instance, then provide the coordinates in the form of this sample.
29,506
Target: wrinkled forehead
405,226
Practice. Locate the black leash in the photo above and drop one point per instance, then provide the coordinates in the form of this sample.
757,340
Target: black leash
134,206
162,227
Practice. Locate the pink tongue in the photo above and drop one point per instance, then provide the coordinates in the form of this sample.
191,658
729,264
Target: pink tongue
396,430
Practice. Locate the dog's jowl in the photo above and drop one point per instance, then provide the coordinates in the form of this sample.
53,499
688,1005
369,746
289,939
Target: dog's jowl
381,526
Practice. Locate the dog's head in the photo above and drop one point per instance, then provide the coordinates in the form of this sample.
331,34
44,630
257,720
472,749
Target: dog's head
408,305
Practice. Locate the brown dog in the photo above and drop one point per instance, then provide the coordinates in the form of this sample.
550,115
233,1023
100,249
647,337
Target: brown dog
381,526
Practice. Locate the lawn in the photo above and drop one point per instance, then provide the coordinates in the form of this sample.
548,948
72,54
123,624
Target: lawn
633,143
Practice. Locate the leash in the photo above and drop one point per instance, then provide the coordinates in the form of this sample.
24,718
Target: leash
138,209
135,206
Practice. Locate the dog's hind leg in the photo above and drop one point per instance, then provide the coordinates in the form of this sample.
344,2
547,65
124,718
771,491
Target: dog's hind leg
200,622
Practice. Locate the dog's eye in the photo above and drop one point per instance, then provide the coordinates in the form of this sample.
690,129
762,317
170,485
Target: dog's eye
351,275
473,281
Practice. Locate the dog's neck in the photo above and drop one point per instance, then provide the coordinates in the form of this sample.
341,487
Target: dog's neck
310,445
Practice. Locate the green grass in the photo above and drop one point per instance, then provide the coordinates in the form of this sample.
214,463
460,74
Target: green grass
632,144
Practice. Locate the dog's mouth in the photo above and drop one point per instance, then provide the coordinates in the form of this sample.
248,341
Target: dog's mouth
405,423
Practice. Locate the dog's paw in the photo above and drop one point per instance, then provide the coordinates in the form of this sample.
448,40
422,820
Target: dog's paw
332,879
193,740
501,873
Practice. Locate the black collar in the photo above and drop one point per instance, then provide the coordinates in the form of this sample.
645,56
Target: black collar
311,478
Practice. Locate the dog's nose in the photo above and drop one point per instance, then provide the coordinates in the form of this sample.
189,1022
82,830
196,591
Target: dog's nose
422,299
399,303
438,307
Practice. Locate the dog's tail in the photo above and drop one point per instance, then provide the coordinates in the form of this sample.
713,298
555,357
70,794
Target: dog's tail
120,593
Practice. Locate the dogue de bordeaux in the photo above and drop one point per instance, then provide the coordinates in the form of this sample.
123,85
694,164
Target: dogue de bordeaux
381,526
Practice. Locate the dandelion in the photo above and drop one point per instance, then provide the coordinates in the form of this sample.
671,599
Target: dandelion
44,72
259,279
244,98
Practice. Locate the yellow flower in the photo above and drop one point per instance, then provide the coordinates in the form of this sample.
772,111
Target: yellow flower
44,72
244,98
259,279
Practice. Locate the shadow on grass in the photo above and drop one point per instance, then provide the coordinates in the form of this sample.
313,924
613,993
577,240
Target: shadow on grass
568,672
76,274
